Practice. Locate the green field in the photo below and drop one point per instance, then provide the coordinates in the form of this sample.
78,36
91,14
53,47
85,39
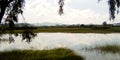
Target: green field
80,30
67,30
54,54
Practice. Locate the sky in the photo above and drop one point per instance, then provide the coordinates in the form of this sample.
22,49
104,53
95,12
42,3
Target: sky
75,12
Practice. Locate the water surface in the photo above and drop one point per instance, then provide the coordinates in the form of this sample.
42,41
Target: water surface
74,41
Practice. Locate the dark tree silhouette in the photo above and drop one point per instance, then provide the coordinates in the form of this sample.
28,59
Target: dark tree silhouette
104,23
113,8
12,8
61,4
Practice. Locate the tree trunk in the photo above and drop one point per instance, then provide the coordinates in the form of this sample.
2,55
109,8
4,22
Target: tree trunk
4,4
3,8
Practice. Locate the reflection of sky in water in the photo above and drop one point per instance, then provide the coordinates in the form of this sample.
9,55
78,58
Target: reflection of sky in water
74,41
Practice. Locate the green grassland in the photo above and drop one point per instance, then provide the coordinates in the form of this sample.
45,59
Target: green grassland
68,30
80,30
53,54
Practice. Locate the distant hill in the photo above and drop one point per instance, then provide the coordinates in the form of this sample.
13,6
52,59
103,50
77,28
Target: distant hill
46,24
36,24
116,24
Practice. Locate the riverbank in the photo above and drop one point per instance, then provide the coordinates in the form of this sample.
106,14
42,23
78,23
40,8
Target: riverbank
54,54
80,30
68,30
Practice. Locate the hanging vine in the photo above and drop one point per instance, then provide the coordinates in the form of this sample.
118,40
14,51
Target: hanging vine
113,8
61,4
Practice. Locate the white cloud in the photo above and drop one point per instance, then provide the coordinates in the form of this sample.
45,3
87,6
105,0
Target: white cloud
38,11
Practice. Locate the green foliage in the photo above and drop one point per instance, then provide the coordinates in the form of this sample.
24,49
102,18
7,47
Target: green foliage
12,9
54,54
98,29
66,29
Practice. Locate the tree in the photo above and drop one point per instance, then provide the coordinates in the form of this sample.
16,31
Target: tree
61,4
104,23
12,8
113,8
15,7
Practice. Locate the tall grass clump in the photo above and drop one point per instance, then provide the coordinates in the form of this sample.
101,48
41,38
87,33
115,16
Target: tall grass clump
54,54
108,48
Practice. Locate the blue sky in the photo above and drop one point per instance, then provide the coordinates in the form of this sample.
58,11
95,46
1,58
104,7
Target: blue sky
75,12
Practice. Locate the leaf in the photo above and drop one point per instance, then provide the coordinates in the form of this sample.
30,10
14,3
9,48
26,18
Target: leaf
15,18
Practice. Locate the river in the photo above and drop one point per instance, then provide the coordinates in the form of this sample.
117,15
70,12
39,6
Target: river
73,41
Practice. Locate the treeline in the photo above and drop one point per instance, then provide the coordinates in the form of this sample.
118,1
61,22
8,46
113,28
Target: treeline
80,26
6,29
28,26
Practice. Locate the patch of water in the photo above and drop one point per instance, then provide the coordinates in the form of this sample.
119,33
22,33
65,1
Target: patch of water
74,41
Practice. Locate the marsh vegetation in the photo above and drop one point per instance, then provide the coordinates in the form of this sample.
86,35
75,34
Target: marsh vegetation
53,54
110,48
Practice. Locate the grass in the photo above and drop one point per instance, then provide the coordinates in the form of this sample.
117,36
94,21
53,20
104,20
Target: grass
54,54
71,30
114,48
77,30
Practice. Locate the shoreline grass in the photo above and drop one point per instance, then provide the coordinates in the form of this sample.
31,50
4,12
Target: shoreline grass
53,54
78,30
69,30
72,30
110,48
